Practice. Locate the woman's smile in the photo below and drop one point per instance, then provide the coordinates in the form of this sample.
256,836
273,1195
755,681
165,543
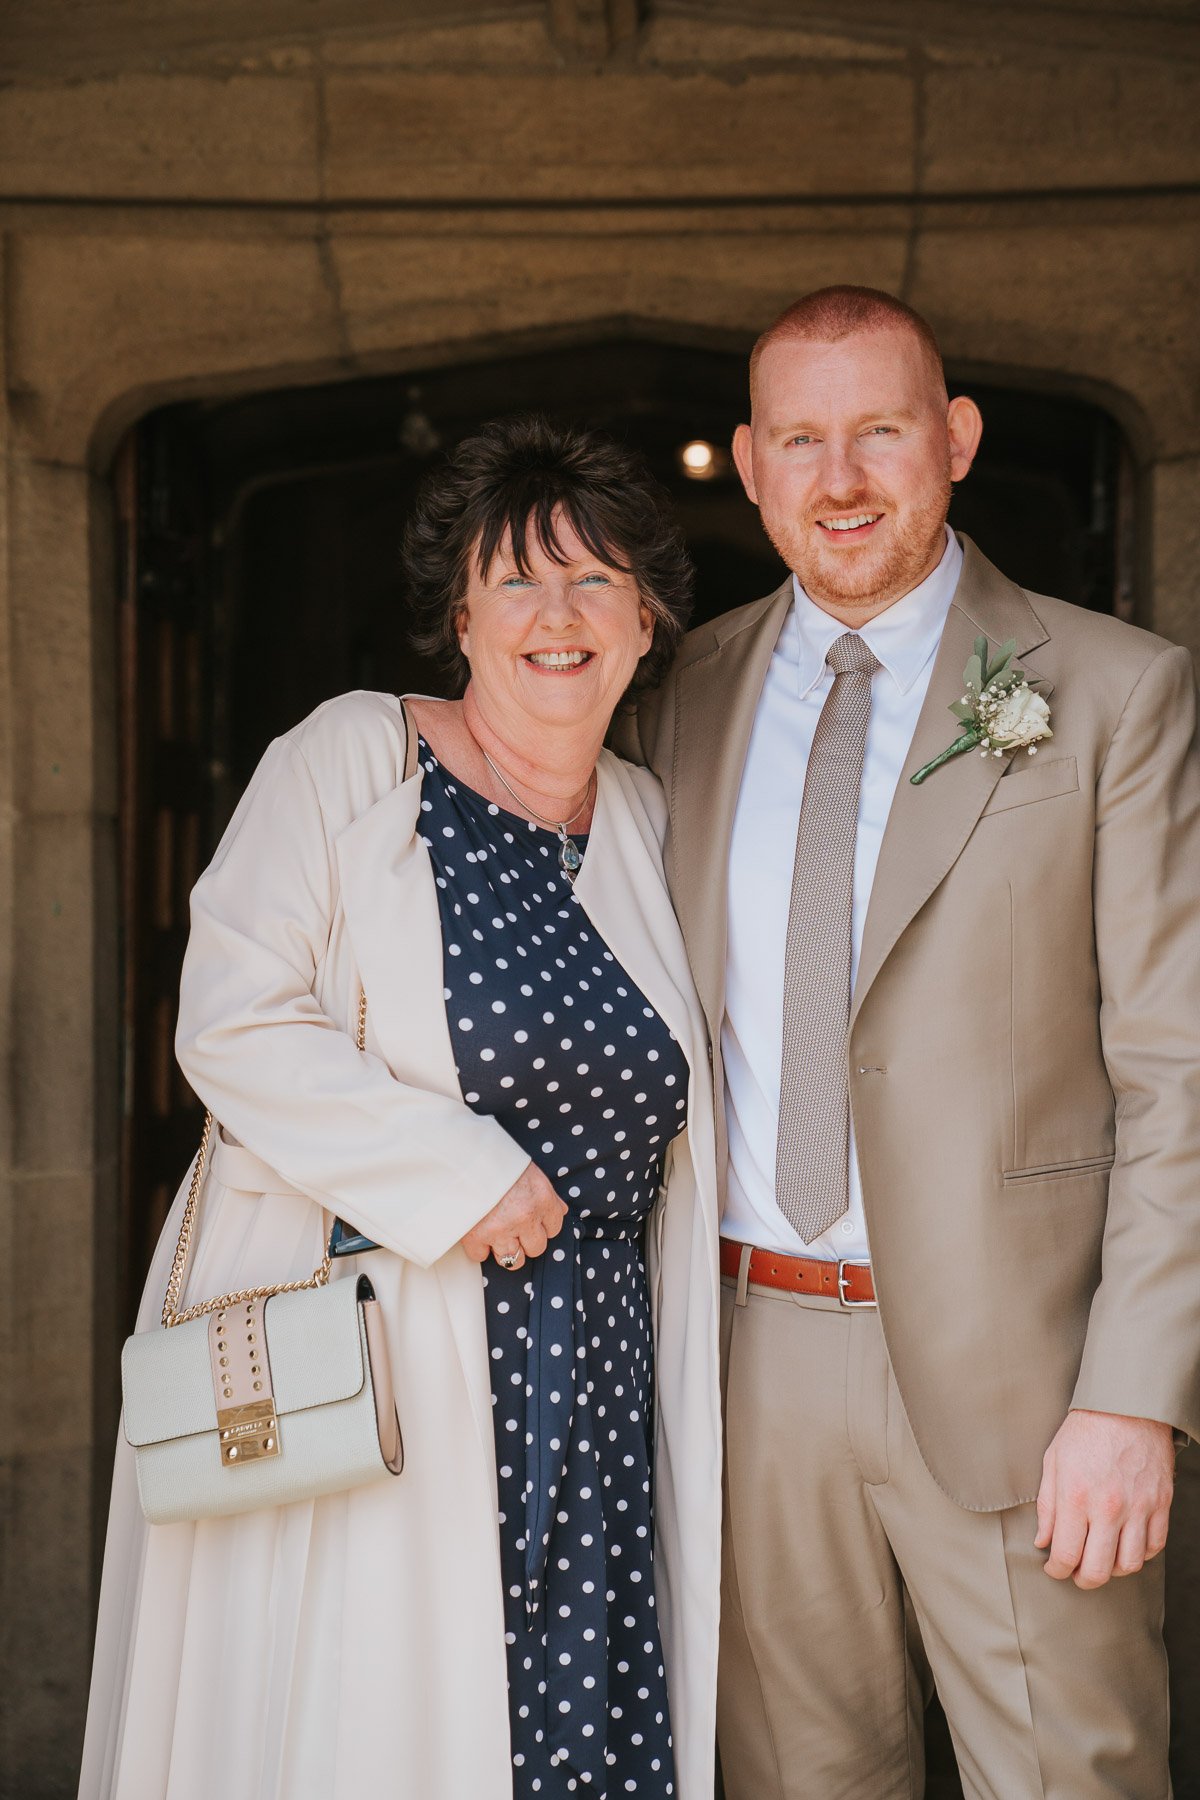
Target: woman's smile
558,662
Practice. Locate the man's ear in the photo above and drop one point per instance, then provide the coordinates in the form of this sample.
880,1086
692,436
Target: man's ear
743,456
964,423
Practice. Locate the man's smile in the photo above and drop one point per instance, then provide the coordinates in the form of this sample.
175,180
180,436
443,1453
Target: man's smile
857,525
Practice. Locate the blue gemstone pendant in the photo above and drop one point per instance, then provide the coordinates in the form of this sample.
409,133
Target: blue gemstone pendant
570,860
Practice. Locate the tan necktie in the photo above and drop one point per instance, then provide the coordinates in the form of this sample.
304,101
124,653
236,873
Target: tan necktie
812,1165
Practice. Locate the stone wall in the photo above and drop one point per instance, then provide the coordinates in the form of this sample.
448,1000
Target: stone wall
201,213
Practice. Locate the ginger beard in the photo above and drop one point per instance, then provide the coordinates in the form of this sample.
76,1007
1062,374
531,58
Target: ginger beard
904,547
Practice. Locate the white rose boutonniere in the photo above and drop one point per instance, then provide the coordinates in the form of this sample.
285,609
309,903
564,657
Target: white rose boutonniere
1023,718
998,713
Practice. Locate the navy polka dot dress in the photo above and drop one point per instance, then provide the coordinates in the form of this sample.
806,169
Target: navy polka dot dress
552,1038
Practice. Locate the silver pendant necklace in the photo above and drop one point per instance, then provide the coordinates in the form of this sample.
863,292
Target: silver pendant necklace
570,857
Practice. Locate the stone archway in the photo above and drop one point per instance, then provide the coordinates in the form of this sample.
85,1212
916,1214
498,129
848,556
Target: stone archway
253,512
115,310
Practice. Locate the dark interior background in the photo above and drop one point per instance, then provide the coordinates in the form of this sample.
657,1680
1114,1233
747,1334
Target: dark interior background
307,492
259,576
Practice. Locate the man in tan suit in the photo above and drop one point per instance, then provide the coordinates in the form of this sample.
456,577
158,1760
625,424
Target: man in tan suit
955,1031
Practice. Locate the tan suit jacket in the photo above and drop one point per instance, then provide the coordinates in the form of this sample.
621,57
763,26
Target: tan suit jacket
1024,1044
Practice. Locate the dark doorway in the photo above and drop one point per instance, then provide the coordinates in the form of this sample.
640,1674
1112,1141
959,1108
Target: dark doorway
260,576
259,547
286,510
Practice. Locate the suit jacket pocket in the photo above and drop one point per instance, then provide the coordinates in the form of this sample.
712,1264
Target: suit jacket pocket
1028,781
1083,1165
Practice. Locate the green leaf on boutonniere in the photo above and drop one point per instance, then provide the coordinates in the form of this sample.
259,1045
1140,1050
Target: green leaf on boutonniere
973,673
1003,664
962,709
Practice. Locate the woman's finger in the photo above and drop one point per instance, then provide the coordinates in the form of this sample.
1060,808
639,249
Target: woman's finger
533,1240
553,1223
509,1256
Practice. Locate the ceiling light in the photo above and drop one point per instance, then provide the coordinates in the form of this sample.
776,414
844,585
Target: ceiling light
698,460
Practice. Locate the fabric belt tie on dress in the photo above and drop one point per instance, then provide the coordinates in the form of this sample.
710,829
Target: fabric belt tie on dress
576,1637
850,1282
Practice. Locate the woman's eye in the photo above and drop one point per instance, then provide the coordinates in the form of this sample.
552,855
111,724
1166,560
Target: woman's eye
589,580
516,581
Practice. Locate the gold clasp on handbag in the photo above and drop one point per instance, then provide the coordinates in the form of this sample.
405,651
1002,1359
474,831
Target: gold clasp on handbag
247,1422
248,1433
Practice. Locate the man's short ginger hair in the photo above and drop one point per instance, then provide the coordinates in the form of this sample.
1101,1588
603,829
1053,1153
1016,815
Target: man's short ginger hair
830,314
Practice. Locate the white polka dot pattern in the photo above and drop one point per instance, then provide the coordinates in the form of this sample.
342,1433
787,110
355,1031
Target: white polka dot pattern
553,1039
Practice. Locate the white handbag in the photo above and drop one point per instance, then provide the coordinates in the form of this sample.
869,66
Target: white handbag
262,1397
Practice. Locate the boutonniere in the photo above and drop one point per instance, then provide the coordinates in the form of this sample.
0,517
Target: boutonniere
998,713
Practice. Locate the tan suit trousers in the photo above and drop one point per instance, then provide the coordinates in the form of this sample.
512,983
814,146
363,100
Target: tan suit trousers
849,1579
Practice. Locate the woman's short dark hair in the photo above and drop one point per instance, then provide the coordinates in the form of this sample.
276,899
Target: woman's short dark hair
518,475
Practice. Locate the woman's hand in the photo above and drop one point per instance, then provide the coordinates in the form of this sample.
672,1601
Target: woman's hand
519,1225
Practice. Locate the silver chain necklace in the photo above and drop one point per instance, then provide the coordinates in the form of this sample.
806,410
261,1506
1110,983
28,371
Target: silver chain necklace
570,857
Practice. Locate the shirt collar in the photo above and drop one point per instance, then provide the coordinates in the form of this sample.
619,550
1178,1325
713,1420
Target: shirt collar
904,637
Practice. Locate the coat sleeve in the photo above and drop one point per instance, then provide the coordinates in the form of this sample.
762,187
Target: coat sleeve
414,1169
1142,1352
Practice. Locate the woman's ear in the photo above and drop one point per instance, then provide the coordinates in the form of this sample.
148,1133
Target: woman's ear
461,631
646,618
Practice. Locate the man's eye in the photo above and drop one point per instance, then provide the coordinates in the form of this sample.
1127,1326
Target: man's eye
882,431
801,439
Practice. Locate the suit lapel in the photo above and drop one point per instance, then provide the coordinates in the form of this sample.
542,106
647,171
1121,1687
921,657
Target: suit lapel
390,903
928,826
622,891
716,700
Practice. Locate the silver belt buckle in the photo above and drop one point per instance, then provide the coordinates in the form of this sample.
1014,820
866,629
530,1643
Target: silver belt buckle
843,1283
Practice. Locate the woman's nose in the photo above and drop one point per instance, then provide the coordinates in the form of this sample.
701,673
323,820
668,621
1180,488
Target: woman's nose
560,605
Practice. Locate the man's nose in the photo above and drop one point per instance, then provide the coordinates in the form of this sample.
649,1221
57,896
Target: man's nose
842,467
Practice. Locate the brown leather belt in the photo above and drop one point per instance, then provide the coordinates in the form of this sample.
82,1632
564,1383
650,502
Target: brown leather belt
849,1282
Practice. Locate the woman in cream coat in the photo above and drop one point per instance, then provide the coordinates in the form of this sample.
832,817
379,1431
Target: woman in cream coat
355,1646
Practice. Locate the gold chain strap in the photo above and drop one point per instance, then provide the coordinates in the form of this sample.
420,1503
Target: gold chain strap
319,1276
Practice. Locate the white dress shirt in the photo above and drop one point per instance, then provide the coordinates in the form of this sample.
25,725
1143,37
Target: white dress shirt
904,639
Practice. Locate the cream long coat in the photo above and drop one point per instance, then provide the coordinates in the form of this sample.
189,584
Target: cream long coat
354,1646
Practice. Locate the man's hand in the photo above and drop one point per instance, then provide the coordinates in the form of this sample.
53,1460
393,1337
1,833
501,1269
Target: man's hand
521,1223
1105,1496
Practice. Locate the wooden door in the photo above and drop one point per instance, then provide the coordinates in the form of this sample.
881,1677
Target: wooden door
167,779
